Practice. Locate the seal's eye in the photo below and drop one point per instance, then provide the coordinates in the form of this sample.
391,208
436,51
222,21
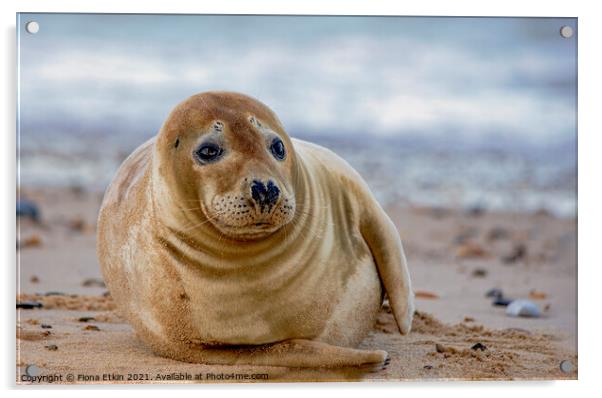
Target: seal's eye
277,149
208,152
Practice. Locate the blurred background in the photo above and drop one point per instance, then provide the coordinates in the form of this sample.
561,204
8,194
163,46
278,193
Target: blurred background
442,112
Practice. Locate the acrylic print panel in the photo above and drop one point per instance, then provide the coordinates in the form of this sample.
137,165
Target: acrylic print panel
312,198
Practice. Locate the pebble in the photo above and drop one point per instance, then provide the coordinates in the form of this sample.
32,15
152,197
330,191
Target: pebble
77,224
27,208
86,319
425,295
29,305
537,295
45,326
428,367
479,272
497,233
52,347
523,308
479,346
92,327
501,302
496,293
54,294
34,279
518,253
93,282
470,250
33,240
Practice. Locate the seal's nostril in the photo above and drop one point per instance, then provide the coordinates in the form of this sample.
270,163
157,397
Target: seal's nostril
258,192
272,193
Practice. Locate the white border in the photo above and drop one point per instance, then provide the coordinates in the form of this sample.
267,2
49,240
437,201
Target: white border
590,103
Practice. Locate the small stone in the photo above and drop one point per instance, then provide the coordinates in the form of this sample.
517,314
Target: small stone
52,347
33,240
479,273
34,279
86,319
471,250
54,294
92,327
518,253
93,282
479,346
501,302
45,326
428,367
421,294
495,293
440,348
78,224
29,209
523,308
497,233
468,319
537,295
29,305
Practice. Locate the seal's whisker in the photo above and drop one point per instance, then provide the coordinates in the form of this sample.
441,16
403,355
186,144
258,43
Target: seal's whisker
202,223
191,208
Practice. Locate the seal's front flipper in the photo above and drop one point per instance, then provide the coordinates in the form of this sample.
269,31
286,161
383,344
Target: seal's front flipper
383,239
296,353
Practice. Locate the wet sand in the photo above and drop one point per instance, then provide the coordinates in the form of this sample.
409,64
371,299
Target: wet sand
455,257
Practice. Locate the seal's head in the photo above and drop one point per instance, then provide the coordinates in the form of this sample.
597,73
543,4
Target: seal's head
226,160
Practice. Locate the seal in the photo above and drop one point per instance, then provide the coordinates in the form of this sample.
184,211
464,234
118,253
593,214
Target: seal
224,241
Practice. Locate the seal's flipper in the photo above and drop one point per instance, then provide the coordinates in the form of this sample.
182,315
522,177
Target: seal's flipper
383,239
297,353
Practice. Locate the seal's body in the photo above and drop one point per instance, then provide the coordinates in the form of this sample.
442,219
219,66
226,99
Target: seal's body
223,241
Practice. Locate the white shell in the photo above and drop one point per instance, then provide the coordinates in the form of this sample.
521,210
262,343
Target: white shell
523,308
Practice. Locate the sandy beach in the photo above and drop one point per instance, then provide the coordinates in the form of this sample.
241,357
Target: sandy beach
455,258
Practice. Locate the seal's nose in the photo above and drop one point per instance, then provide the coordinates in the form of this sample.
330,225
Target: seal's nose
265,196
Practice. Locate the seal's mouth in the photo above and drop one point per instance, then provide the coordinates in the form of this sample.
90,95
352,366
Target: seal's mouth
249,232
240,218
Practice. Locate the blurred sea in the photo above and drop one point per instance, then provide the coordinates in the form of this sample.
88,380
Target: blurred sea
408,172
450,112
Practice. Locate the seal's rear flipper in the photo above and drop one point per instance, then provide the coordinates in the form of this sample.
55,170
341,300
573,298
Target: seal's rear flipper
296,353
